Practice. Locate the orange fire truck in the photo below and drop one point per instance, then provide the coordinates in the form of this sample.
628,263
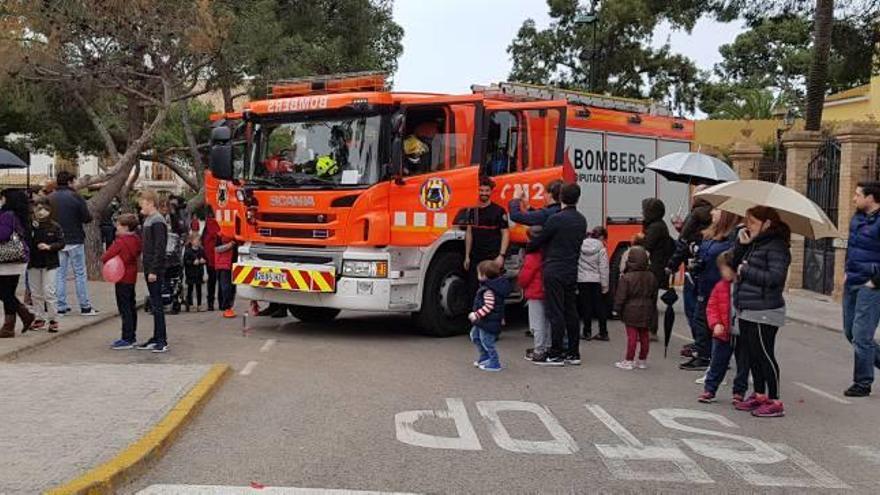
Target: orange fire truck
330,214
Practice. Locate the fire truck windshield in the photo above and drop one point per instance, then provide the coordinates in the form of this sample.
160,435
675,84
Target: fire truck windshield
327,151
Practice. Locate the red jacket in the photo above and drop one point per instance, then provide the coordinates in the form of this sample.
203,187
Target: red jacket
127,247
223,260
718,309
210,236
530,277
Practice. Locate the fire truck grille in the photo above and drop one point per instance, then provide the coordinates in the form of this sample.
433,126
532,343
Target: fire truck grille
288,258
296,218
297,233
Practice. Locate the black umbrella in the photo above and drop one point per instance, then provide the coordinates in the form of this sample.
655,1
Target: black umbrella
8,159
669,298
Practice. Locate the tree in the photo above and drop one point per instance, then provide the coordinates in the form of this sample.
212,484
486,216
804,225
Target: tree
823,21
123,64
754,104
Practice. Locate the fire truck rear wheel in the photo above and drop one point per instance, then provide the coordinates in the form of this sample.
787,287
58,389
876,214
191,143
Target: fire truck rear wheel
312,314
444,302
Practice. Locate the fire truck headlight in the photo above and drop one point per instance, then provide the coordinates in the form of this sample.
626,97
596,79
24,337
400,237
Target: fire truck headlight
365,269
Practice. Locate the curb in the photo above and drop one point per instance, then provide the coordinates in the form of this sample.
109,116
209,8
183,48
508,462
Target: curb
51,338
108,477
812,323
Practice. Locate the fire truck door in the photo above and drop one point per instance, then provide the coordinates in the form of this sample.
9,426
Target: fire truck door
524,151
436,184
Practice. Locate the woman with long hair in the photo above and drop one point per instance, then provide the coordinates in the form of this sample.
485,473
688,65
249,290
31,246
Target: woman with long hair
718,237
762,257
14,230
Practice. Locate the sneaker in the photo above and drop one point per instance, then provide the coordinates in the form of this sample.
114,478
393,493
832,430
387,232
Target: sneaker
159,348
695,364
89,312
737,398
487,366
770,409
588,336
38,324
573,359
624,365
857,390
750,404
478,363
146,346
229,313
706,398
602,337
53,326
121,345
530,354
701,380
62,312
687,351
547,360
642,365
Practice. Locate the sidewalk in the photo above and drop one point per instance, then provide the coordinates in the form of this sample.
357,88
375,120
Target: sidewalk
103,299
814,309
61,421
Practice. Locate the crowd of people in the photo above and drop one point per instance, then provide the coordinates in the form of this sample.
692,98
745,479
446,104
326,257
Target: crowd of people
735,271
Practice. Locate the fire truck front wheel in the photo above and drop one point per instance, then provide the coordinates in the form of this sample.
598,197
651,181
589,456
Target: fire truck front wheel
312,314
444,301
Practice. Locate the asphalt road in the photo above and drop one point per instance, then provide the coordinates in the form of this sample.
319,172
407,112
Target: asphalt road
366,404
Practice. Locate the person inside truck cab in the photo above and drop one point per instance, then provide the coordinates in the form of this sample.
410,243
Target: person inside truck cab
416,156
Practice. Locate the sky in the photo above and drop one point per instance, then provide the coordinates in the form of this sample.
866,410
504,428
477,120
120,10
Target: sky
450,44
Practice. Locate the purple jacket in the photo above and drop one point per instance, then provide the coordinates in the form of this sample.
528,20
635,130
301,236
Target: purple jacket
9,223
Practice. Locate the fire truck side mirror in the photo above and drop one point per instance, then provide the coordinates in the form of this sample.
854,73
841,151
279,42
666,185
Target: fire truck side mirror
221,153
398,123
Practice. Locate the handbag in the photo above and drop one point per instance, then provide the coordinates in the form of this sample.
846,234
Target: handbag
12,251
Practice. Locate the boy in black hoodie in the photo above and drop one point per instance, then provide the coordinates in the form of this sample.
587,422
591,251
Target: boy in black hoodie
47,238
194,269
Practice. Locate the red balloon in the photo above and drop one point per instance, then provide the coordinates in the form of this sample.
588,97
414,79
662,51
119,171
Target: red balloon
113,270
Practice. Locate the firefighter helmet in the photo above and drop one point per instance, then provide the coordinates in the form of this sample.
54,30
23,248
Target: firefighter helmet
414,147
326,166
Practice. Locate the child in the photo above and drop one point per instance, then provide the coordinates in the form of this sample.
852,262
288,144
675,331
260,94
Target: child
637,240
194,269
155,245
593,275
636,302
488,313
47,238
723,336
532,284
223,255
126,245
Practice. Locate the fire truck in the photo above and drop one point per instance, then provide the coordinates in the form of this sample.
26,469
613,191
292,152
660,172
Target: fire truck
331,214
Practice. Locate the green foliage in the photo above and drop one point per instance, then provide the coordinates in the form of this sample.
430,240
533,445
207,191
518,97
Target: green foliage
612,55
752,104
172,134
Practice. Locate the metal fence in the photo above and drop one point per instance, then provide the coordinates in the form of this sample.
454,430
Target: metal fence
823,187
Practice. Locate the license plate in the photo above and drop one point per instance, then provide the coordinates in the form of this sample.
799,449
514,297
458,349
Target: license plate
299,280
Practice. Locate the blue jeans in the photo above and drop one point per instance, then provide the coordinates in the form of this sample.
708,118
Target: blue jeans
74,255
700,329
485,342
689,293
721,353
861,313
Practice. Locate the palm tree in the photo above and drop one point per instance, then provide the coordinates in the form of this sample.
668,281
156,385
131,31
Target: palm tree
817,81
752,104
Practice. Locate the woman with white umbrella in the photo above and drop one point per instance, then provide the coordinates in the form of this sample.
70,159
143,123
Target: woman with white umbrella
762,257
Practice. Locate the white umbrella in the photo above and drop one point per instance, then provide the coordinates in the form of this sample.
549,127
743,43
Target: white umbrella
693,168
803,216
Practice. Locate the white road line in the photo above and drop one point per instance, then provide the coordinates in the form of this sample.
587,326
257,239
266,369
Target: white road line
244,490
268,345
682,337
618,429
871,454
823,393
248,368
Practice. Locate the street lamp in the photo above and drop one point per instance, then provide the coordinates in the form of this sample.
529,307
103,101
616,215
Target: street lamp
590,18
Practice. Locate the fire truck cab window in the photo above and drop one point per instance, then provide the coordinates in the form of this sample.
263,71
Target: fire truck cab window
426,145
502,144
332,151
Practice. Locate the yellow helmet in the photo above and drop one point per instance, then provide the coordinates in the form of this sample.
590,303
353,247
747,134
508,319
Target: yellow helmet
414,146
326,166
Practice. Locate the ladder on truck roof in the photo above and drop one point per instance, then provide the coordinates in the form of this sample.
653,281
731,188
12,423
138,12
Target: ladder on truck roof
515,90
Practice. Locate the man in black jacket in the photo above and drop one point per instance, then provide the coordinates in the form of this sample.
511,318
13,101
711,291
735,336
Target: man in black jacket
561,241
70,210
155,234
